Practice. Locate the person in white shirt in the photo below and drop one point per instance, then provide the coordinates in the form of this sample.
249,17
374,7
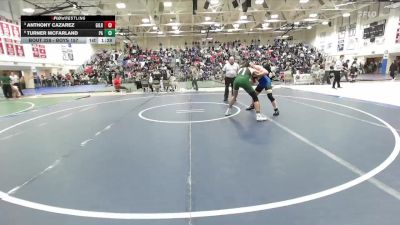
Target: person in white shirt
195,69
337,69
15,82
231,69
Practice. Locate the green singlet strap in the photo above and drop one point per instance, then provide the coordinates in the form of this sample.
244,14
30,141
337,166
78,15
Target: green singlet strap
244,72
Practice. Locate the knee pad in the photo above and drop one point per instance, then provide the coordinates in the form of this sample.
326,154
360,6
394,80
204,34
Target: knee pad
254,96
270,97
259,88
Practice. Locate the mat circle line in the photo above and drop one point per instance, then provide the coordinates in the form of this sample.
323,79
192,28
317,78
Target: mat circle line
140,114
31,105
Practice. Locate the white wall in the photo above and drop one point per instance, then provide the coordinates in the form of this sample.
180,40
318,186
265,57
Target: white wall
362,47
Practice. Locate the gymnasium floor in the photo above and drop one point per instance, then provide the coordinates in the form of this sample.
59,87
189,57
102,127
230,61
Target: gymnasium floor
175,159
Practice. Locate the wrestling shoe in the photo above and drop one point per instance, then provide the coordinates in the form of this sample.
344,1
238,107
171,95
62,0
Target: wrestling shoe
251,107
228,112
261,117
276,112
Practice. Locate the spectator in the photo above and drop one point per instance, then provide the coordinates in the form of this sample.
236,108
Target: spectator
195,76
15,82
345,70
392,69
353,71
6,86
117,84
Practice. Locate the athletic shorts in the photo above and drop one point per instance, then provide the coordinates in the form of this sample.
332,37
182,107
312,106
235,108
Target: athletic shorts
264,83
243,82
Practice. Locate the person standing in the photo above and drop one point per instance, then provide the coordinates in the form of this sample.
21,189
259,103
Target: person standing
15,82
151,82
353,71
6,86
345,70
392,69
195,76
231,70
337,69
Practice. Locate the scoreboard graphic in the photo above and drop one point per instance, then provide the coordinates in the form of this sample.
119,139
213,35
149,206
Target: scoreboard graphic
68,29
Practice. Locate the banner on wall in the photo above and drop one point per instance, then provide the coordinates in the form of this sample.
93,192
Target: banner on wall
67,53
42,51
9,46
35,51
9,28
15,31
352,30
19,49
351,45
1,47
341,38
6,29
39,51
340,45
342,32
398,33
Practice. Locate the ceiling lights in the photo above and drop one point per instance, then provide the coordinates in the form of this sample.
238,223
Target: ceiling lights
236,26
259,2
325,23
304,1
159,32
203,31
274,16
207,18
175,27
313,15
310,19
346,14
173,24
214,2
146,20
309,27
296,23
208,23
120,5
155,28
167,4
28,10
244,17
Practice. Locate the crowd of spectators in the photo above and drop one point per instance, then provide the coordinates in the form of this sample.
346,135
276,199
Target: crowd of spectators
211,56
139,66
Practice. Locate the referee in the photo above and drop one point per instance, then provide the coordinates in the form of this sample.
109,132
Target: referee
337,70
231,69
